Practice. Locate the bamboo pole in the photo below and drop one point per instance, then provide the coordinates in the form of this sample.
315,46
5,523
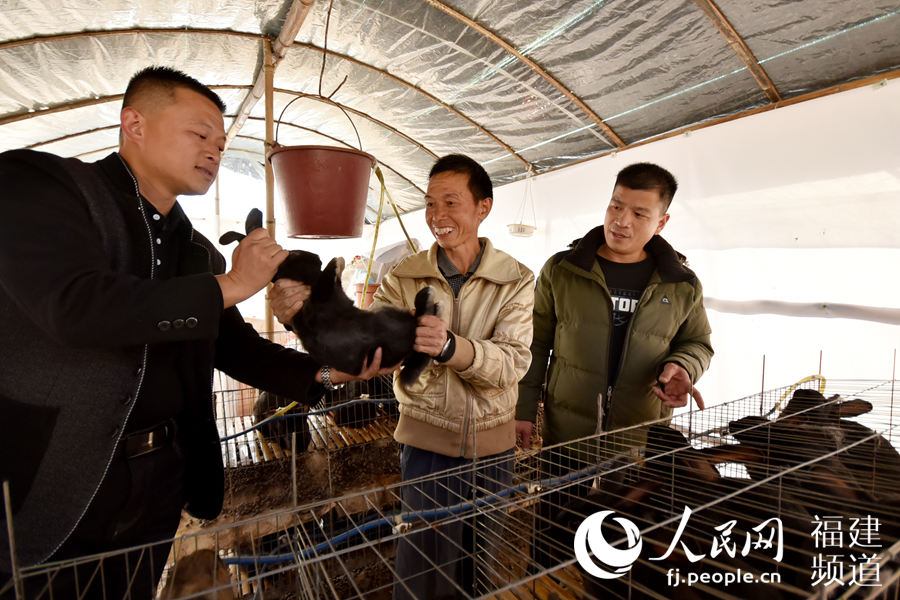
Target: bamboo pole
270,176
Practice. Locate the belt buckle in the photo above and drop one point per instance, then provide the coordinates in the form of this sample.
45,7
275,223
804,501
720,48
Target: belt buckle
145,446
149,442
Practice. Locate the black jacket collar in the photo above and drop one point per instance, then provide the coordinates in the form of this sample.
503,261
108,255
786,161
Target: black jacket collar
118,171
670,264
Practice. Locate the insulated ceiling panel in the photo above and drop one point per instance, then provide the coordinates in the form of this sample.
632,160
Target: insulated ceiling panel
518,86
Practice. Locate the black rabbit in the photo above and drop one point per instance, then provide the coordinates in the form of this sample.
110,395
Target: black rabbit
279,431
335,332
361,414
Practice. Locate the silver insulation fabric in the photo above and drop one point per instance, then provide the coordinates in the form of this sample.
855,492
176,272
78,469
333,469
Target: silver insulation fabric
421,83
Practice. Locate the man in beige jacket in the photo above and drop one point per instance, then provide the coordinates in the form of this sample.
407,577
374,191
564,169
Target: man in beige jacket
460,412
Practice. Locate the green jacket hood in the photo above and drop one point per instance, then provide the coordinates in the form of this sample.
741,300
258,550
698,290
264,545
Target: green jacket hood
670,264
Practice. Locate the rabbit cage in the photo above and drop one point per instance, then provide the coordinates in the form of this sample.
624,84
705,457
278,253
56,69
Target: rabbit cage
788,493
277,452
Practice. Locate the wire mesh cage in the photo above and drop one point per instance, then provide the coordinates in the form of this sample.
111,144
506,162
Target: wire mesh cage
781,494
279,453
790,493
255,427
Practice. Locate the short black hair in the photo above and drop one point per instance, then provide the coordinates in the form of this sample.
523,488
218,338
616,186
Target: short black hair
167,79
647,176
479,181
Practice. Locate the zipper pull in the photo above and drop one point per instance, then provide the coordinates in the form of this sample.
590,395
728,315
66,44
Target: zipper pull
603,407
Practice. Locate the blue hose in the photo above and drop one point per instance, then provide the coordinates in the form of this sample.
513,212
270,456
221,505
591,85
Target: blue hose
408,517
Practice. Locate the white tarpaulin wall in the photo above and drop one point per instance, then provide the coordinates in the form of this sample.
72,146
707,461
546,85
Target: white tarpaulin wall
795,205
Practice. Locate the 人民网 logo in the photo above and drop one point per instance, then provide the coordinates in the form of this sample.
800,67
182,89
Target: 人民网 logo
613,562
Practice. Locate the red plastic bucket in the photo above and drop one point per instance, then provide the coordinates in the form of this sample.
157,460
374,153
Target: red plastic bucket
370,294
324,189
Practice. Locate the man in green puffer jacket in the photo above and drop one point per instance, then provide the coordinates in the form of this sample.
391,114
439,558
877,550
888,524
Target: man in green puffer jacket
624,319
629,336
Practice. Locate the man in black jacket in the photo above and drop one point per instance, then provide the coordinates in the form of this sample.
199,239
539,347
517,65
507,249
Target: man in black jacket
114,313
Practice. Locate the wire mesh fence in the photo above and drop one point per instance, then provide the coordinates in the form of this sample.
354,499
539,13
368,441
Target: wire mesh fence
257,426
790,493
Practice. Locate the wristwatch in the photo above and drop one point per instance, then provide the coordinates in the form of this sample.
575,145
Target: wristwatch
448,350
326,379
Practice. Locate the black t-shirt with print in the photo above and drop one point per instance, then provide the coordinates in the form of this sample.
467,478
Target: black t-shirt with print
626,283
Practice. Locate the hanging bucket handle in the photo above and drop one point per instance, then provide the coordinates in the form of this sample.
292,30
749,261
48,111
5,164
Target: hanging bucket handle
275,144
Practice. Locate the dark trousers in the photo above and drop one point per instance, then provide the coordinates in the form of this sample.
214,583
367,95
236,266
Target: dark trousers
450,559
138,503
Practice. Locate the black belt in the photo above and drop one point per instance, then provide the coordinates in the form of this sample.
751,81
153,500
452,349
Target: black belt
149,440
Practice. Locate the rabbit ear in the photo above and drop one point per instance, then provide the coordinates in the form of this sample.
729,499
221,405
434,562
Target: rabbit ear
332,271
338,266
230,236
853,408
254,220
